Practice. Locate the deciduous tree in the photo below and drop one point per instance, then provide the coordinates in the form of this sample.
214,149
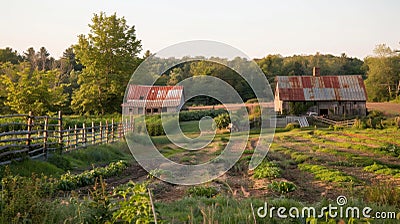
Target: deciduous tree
109,56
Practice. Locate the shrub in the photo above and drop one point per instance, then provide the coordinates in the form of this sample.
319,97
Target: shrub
198,114
222,121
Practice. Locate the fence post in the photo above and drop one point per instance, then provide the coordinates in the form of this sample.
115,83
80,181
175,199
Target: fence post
119,130
93,134
68,140
76,136
107,132
101,133
130,123
84,134
29,129
45,135
112,130
60,130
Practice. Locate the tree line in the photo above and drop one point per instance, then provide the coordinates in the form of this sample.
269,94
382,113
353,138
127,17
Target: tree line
92,74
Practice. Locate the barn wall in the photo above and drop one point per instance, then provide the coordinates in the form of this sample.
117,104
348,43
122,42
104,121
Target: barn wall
330,107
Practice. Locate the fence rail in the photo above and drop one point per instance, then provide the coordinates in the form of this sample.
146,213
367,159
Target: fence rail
345,123
34,136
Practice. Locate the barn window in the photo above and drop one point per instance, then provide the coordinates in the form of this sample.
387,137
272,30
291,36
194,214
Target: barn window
141,97
155,110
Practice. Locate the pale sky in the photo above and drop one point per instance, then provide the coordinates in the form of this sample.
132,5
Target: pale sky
255,27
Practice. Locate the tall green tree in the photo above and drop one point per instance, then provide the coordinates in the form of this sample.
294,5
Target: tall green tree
9,55
34,91
383,77
109,56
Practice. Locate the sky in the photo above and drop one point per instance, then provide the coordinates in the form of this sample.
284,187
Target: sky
257,28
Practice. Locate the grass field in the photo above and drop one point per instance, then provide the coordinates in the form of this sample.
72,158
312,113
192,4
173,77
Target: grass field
391,109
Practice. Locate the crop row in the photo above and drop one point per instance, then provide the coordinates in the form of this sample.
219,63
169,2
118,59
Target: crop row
70,181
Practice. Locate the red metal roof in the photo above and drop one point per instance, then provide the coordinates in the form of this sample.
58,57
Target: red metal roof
154,96
322,88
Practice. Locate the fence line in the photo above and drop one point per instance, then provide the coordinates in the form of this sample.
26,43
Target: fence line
36,136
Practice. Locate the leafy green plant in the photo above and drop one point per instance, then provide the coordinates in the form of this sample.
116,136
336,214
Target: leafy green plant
282,187
325,174
70,181
391,149
299,157
267,170
202,191
382,169
133,204
99,203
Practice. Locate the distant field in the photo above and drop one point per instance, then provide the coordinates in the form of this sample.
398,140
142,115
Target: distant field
387,108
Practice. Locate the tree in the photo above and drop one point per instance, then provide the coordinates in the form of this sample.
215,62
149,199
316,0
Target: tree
383,76
32,58
43,58
109,56
8,55
32,91
175,76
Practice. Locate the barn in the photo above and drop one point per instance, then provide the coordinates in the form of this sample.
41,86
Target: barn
325,95
142,99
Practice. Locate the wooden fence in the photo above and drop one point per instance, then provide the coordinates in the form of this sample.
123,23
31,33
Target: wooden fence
345,123
25,135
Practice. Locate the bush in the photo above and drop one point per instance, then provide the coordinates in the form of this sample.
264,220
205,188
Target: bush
222,121
196,115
